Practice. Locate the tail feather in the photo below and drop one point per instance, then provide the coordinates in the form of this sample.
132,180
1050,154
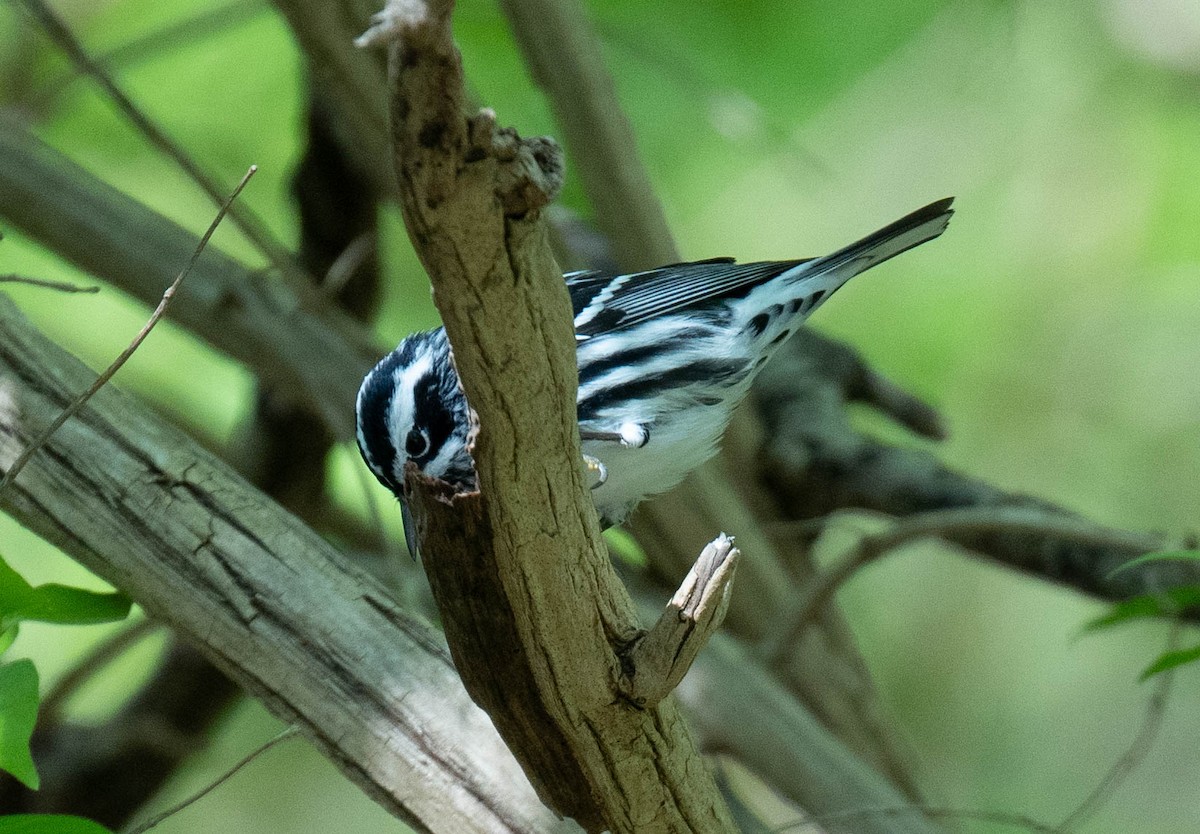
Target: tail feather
922,225
772,311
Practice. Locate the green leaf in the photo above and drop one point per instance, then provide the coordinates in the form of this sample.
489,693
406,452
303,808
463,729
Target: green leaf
18,712
55,603
1166,604
1163,556
75,606
8,636
1169,660
14,594
49,824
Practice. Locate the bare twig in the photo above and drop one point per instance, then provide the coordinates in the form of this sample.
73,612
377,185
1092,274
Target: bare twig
290,732
997,817
315,356
61,286
249,223
108,372
939,523
318,641
1134,755
187,31
95,660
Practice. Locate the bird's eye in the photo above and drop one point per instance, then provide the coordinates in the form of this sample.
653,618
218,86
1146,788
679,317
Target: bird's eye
417,443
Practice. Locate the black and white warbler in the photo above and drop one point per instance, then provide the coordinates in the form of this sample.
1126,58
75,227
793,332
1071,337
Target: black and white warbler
664,357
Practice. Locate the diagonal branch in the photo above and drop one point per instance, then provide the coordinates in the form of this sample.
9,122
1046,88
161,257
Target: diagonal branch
319,642
584,99
250,224
815,462
108,373
317,356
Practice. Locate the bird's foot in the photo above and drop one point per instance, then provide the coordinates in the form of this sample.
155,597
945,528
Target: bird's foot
598,469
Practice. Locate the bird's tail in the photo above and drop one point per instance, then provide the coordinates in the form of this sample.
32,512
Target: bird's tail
911,230
810,283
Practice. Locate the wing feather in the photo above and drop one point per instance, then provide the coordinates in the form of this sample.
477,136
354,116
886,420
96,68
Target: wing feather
604,302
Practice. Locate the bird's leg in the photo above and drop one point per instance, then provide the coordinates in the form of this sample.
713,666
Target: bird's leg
630,435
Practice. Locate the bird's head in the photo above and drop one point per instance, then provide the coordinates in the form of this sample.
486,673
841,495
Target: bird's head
410,408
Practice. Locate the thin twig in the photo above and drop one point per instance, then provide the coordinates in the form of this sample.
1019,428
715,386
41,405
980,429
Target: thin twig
348,263
103,654
249,223
163,41
61,286
290,732
158,313
938,523
189,31
1134,755
998,817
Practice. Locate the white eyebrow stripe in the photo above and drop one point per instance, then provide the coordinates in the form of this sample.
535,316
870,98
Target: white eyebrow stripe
402,414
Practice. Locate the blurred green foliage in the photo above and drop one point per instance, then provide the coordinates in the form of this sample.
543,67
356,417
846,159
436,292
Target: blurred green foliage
1056,325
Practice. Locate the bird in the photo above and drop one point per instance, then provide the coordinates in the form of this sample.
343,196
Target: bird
664,357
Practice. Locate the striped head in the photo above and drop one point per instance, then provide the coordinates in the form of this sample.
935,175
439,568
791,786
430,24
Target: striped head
410,407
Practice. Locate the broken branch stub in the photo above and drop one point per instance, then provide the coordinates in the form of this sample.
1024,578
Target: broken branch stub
658,662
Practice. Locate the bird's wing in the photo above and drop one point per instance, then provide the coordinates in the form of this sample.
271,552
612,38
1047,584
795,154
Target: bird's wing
603,302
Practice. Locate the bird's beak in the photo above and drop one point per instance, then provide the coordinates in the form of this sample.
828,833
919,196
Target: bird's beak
410,530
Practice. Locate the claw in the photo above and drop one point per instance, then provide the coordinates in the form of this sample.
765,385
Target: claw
599,469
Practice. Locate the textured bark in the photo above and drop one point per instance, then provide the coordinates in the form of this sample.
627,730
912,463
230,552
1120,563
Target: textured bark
810,458
320,643
536,617
831,677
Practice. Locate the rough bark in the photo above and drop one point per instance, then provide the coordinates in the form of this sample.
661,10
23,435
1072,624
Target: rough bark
319,642
537,619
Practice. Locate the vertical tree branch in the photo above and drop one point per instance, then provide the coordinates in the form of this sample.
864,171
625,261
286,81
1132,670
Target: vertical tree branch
536,618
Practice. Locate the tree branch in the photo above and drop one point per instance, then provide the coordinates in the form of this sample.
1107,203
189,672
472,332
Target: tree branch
675,526
584,99
534,614
249,223
815,462
320,643
319,356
